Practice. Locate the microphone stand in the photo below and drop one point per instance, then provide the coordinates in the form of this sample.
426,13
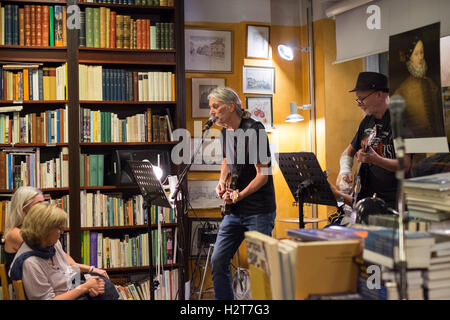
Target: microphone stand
188,166
397,107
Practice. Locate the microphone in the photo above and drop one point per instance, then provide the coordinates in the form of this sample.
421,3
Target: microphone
396,107
209,123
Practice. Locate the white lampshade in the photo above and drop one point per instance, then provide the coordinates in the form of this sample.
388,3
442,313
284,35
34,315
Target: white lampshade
286,52
294,116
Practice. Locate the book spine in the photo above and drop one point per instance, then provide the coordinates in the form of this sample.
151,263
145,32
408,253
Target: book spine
57,20
51,27
96,27
112,29
21,26
82,29
45,26
89,16
39,25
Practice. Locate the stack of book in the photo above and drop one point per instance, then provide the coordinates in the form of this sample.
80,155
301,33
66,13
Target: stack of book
381,247
437,277
380,283
428,197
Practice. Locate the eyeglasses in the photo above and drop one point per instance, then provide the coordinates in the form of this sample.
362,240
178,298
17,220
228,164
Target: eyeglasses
361,100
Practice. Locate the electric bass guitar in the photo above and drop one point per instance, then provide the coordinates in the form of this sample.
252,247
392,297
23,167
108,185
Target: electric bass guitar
231,189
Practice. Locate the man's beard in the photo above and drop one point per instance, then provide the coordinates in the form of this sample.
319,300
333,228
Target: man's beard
418,72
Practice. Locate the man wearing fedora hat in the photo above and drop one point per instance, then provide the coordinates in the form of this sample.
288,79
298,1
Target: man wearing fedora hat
378,163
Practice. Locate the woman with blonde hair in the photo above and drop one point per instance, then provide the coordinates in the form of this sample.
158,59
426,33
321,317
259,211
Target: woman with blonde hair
22,200
42,264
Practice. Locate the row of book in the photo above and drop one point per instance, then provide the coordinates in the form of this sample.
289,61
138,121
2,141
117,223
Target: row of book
104,28
145,3
106,252
33,25
92,170
23,167
98,83
100,126
5,206
23,82
107,210
47,127
140,290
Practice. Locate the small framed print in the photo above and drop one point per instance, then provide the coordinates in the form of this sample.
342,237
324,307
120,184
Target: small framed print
260,80
201,87
258,38
208,50
261,110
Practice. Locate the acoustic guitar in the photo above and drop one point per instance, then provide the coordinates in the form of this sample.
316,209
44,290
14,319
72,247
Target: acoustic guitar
370,141
231,189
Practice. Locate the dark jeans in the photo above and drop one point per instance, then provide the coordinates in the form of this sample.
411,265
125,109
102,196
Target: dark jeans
231,234
110,290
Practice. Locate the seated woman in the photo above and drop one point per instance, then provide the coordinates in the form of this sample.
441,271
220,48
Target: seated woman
42,264
21,202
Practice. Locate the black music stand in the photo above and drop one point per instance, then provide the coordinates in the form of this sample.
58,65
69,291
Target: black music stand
153,193
306,180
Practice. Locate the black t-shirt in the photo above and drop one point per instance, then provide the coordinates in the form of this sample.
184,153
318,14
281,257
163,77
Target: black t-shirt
247,146
376,179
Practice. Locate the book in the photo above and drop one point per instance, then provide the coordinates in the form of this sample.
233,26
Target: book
326,234
438,181
326,267
264,266
416,257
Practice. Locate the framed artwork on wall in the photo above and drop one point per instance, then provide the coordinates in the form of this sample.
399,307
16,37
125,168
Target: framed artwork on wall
260,80
209,158
208,50
258,39
201,87
261,110
202,194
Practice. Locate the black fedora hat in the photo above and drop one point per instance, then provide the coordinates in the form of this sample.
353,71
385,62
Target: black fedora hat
371,81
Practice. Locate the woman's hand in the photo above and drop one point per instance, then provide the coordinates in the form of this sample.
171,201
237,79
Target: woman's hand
95,286
100,271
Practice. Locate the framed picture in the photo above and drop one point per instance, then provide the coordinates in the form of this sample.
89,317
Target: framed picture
208,50
261,110
259,80
258,38
201,87
209,157
202,194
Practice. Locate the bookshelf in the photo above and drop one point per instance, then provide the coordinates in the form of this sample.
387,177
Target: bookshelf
73,53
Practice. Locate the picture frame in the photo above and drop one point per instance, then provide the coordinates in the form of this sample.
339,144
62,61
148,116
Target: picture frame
260,107
259,80
202,194
201,87
210,158
258,39
208,50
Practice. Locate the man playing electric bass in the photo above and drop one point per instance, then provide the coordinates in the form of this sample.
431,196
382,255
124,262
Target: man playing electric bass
252,202
377,171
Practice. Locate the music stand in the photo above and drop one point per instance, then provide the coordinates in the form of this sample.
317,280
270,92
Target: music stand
153,194
306,180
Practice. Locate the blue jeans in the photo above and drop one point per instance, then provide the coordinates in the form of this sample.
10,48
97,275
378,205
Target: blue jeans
229,238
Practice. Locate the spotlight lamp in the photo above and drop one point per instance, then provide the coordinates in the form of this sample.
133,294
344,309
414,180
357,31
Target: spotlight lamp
294,116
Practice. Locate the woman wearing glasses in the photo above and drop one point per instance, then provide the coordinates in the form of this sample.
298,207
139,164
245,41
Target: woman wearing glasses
21,202
42,264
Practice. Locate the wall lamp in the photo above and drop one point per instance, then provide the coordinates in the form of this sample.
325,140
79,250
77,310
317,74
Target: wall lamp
286,51
294,116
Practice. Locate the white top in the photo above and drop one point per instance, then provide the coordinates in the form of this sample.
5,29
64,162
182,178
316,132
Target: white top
43,279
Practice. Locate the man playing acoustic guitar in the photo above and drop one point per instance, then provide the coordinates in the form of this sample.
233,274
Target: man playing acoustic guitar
377,158
247,160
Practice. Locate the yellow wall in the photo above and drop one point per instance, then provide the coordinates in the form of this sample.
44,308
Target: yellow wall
337,116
